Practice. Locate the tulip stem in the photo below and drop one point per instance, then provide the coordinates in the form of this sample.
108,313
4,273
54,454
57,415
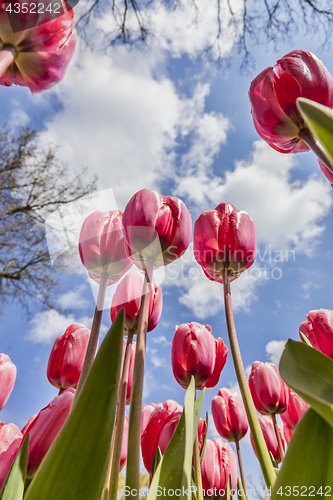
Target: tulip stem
8,54
93,339
134,431
111,481
258,438
278,438
316,147
241,470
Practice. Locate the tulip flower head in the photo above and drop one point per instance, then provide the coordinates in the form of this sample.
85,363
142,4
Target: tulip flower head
37,57
267,428
224,238
10,442
67,357
269,393
218,462
128,295
157,228
7,378
45,427
288,434
319,330
102,246
273,95
326,172
196,352
295,410
229,415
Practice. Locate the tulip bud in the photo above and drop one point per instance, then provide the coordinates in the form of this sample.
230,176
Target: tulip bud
128,295
319,330
41,53
219,461
229,415
295,410
45,427
123,453
267,428
67,357
196,352
157,228
10,442
150,434
224,238
269,393
102,246
273,95
288,434
7,378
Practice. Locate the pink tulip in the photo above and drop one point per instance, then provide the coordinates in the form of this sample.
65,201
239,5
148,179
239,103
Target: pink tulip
10,442
319,330
196,352
269,393
157,227
123,454
128,295
130,369
37,57
31,419
67,357
295,410
273,95
102,246
45,427
7,378
219,461
326,172
146,411
288,434
229,415
267,428
150,435
224,238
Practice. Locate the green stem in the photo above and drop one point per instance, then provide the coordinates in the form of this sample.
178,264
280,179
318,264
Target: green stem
241,470
134,432
278,438
8,54
93,339
258,438
114,464
310,141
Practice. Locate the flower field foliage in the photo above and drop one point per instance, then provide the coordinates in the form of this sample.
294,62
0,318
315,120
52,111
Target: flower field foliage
75,447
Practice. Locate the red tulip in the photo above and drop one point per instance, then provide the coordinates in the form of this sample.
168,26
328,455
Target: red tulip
288,434
150,435
36,57
146,411
267,428
319,330
224,238
295,410
67,357
45,427
156,227
130,369
219,461
31,419
273,95
10,442
269,393
7,378
326,172
196,352
169,428
229,415
102,246
128,295
123,454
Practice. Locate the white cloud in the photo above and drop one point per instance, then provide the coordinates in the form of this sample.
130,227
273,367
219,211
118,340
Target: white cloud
161,340
274,350
73,299
48,325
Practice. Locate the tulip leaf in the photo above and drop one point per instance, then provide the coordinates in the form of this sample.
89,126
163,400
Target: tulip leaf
204,439
319,119
305,340
308,464
309,373
229,489
74,467
240,491
13,487
156,460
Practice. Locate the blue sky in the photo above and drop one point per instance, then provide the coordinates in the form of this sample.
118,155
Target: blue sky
162,117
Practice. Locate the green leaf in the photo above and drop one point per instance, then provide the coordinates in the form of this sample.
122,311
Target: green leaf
309,373
240,492
319,119
305,340
229,489
204,439
190,433
308,463
156,460
74,467
13,487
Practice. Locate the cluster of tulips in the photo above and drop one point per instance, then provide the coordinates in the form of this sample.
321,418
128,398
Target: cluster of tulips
75,447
